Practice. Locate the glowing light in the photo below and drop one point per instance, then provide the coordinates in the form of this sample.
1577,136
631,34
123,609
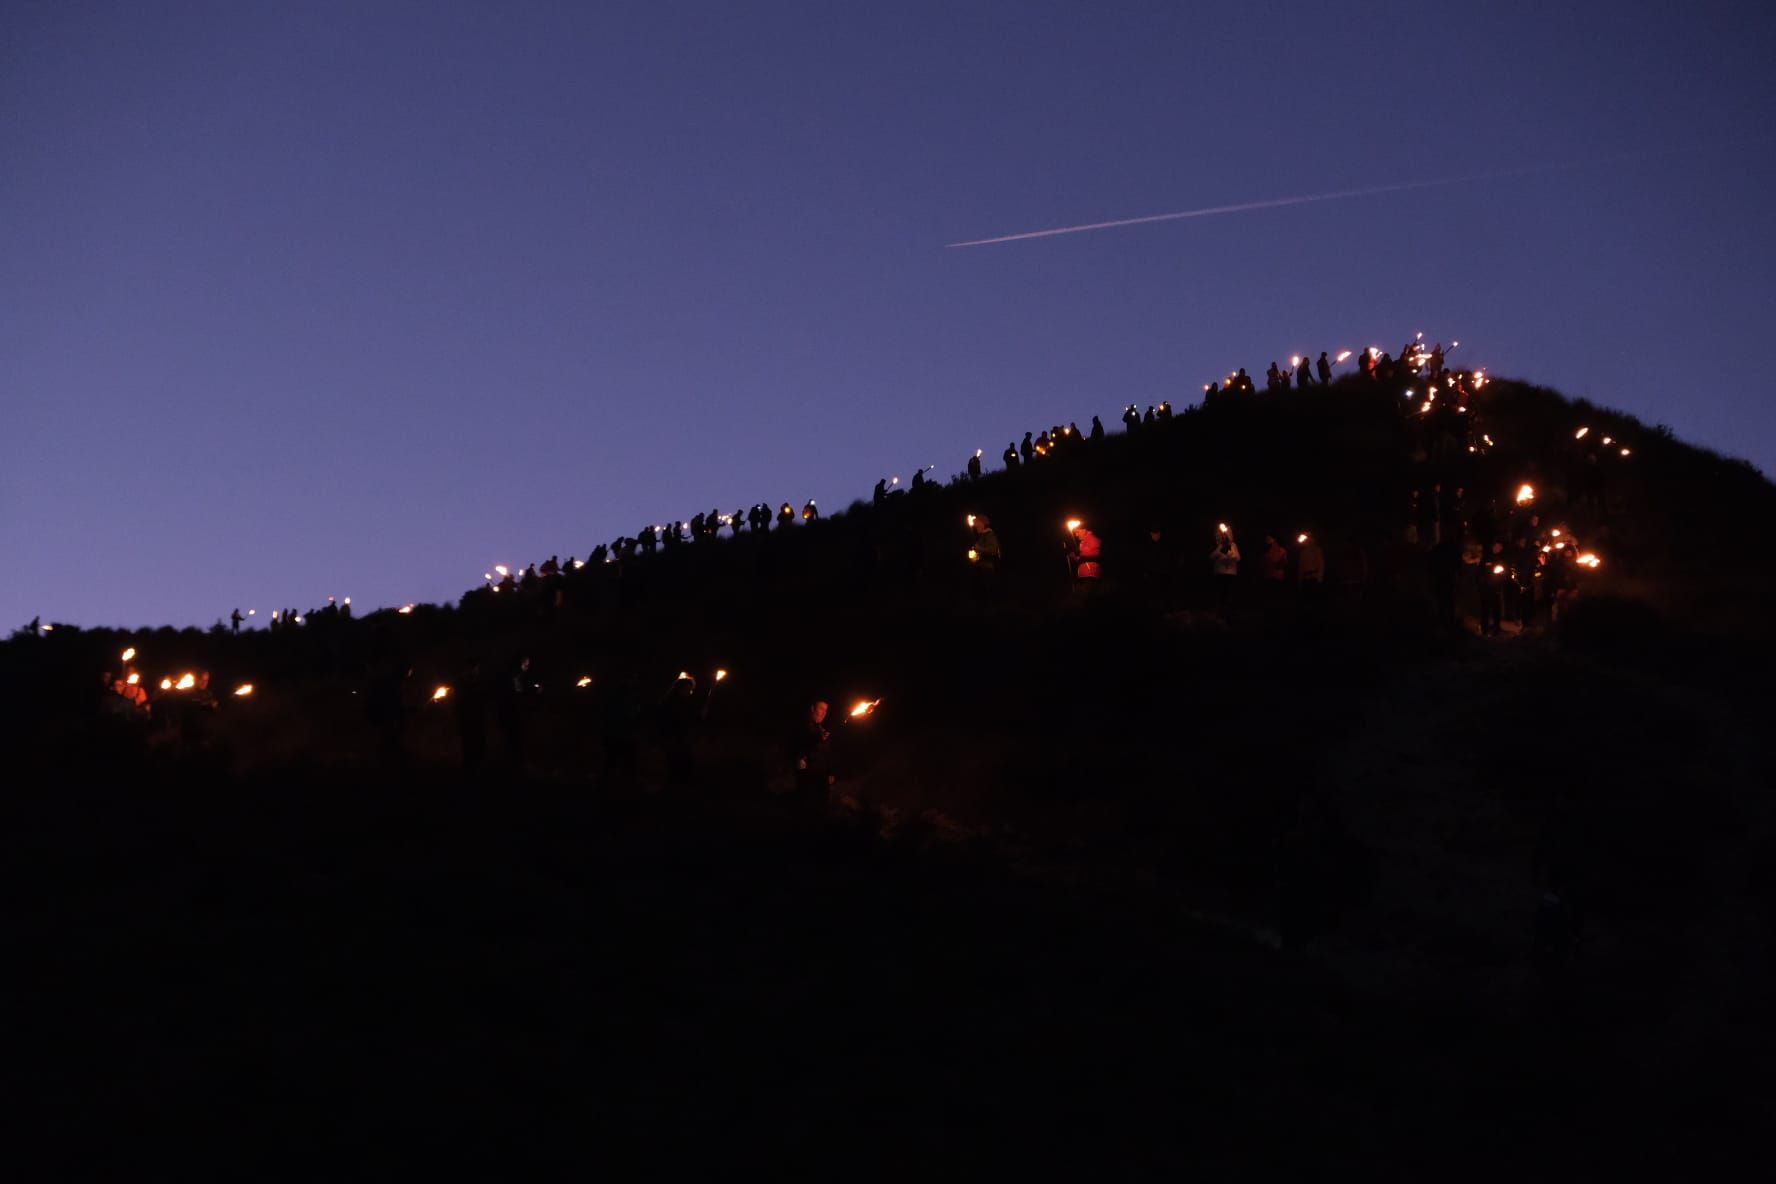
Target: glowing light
1221,527
502,569
1295,361
186,682
721,676
133,678
405,609
242,691
441,694
973,555
166,684
863,708
1498,569
1302,537
1581,433
1554,533
684,676
129,654
1074,524
1625,452
1607,441
1525,494
1588,559
585,681
1341,357
977,453
969,519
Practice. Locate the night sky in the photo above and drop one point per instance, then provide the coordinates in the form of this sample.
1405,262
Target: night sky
310,299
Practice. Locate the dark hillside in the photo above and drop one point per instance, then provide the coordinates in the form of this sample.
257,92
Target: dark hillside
1268,873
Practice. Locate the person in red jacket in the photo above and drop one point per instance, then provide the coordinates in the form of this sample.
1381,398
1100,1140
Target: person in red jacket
1086,551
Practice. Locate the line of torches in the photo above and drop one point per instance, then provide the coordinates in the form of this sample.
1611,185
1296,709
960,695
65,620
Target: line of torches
183,681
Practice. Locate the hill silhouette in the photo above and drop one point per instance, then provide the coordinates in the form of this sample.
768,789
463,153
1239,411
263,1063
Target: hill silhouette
1460,854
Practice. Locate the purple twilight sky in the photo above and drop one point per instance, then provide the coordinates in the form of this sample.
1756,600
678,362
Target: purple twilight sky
300,299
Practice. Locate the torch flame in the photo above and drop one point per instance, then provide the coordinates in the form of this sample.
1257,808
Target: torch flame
973,555
439,695
1221,527
1498,569
242,691
405,609
1525,494
1607,441
1302,537
501,568
585,681
186,682
1295,360
684,676
133,678
968,518
1074,524
1625,452
1588,559
166,684
863,708
721,675
1581,433
129,654
1341,357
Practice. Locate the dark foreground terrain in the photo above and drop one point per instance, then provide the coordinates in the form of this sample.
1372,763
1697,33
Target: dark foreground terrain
326,970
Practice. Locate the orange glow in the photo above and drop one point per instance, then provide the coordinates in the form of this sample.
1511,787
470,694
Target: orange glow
1341,357
1302,537
863,708
721,676
1625,452
1581,433
685,676
1074,524
1525,494
585,681
1221,527
186,682
969,518
166,684
1498,569
133,678
973,555
242,691
1588,559
1607,441
405,609
441,694
129,654
1295,361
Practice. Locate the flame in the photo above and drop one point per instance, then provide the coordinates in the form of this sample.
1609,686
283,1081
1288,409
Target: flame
1625,452
186,682
973,555
1555,532
252,612
133,678
129,654
977,453
1607,441
1525,494
863,708
405,609
968,518
1498,569
242,691
439,695
1588,559
1302,537
721,675
1341,357
166,684
585,681
1074,524
1295,361
1581,433
1221,527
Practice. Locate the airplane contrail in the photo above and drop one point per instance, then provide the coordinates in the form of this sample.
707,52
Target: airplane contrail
1275,202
